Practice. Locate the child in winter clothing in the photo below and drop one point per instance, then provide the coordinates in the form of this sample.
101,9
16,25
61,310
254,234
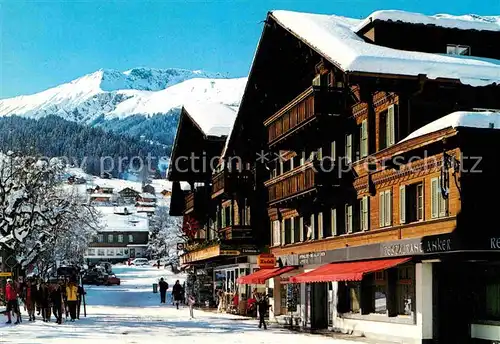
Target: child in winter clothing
191,303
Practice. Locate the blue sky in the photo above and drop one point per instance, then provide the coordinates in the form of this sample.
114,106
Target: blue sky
45,43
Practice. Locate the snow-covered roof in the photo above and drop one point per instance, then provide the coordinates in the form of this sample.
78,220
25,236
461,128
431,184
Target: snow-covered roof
111,222
147,195
335,38
465,22
212,118
483,119
99,195
149,204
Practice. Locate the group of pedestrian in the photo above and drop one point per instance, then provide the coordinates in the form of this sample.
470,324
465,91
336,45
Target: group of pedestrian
41,298
178,295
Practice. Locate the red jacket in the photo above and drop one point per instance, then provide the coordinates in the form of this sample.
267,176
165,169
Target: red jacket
10,293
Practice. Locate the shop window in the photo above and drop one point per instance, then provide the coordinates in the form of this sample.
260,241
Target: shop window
405,290
354,289
439,205
380,292
385,208
411,203
283,303
493,300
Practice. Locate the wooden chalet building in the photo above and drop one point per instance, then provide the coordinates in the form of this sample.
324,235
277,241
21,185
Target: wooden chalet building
356,131
216,215
128,195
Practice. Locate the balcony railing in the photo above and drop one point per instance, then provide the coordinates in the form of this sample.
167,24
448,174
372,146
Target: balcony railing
228,182
312,104
292,183
236,232
189,200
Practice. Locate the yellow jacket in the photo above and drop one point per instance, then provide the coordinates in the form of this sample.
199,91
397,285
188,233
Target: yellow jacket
71,292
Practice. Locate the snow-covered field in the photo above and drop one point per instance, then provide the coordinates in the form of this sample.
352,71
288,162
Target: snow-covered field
131,313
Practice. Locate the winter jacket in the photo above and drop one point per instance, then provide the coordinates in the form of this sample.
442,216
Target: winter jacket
72,292
10,293
163,286
177,292
56,296
263,305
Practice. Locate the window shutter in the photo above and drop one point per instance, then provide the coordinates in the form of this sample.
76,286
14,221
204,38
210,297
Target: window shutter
348,147
390,125
282,232
334,221
320,226
292,230
313,226
388,208
434,197
301,228
381,209
402,204
365,213
364,138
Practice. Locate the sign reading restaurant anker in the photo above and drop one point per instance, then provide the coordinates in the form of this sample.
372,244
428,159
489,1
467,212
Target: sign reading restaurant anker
409,247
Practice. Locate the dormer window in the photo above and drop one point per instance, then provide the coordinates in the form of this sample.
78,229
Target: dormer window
454,49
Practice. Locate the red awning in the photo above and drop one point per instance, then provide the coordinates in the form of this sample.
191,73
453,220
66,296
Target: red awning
261,276
352,271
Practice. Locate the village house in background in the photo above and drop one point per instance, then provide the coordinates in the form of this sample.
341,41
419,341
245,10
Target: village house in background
355,131
128,195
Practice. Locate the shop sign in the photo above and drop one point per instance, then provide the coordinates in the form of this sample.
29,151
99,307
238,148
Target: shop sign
417,247
5,274
229,253
311,257
495,243
266,261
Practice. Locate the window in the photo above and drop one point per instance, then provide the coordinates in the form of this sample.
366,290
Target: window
348,218
110,237
385,208
348,147
364,206
364,138
439,205
100,237
100,252
354,297
120,237
317,80
387,127
223,217
91,252
130,238
411,203
288,231
334,221
119,251
320,153
110,252
454,49
405,291
320,226
296,229
276,229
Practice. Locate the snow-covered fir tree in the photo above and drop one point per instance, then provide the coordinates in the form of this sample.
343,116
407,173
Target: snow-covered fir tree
164,234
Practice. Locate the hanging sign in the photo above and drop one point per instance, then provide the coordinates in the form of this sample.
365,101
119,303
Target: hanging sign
5,274
266,261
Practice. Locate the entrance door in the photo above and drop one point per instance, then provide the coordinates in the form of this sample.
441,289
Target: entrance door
452,299
319,306
132,253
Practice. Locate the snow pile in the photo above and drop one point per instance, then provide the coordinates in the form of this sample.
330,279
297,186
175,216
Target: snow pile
113,222
484,119
334,37
212,118
115,94
465,22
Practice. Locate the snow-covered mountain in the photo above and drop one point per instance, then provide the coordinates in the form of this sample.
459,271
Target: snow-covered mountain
110,94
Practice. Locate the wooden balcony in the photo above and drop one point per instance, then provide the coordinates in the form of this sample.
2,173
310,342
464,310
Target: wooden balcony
302,180
236,232
197,201
226,183
315,104
189,201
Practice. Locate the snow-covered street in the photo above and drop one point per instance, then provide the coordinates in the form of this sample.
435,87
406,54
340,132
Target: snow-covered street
131,313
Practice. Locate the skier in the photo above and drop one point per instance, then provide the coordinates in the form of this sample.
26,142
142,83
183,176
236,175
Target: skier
263,306
191,303
177,293
12,303
163,290
72,297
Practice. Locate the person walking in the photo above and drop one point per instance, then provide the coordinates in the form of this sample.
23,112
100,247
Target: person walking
263,306
30,297
163,290
177,293
12,303
191,303
56,296
72,297
44,299
81,292
158,263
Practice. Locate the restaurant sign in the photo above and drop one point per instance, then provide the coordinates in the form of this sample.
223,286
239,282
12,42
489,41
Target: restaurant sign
266,261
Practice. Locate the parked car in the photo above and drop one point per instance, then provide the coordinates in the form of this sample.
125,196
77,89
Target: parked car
139,262
94,277
111,279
